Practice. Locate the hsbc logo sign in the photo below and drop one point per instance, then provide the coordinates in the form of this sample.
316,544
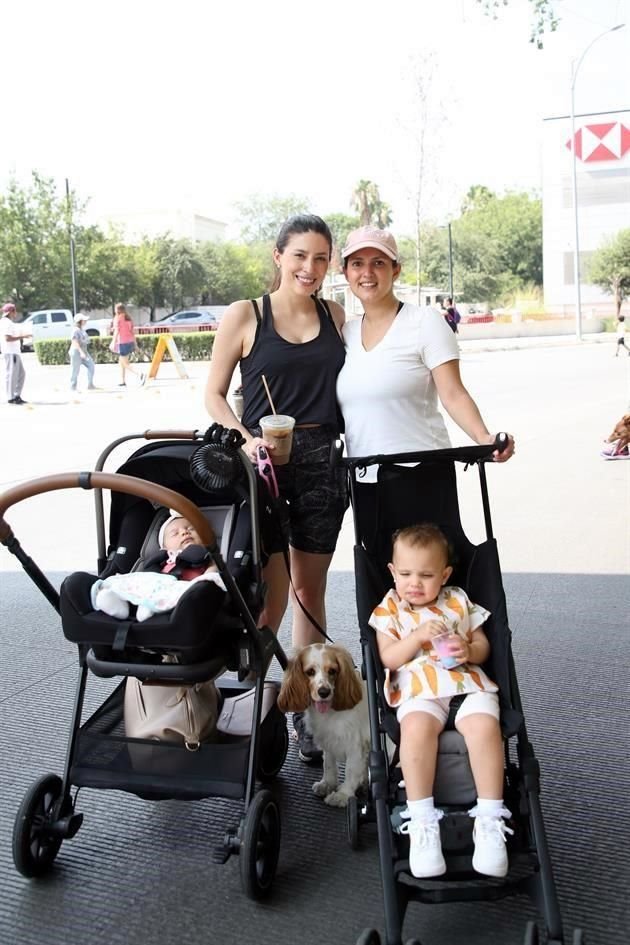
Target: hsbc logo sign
608,141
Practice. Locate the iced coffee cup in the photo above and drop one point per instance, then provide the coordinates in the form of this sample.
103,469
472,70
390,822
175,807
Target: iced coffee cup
442,644
278,431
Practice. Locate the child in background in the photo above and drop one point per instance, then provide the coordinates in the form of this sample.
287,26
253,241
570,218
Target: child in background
419,608
156,592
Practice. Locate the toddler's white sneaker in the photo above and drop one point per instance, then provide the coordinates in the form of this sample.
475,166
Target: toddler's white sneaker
425,849
490,856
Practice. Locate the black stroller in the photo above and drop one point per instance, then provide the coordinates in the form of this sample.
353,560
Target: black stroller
211,482
427,492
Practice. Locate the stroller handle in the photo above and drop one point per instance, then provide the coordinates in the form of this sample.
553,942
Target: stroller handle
457,454
171,434
115,482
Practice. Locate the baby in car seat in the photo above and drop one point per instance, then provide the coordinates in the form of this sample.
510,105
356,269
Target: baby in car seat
182,562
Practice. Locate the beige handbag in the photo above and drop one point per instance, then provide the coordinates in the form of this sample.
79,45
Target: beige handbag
237,712
185,714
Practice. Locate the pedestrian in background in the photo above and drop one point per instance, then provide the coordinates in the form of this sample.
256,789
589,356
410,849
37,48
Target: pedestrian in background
124,343
452,316
621,335
10,338
79,354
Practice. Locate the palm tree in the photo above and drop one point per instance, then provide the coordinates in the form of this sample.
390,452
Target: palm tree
367,203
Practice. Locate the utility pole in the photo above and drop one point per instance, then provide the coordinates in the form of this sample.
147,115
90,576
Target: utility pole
73,269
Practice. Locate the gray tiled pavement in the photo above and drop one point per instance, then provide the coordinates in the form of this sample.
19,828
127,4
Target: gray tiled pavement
142,872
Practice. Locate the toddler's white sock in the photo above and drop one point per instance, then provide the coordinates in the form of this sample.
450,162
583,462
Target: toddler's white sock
489,808
424,809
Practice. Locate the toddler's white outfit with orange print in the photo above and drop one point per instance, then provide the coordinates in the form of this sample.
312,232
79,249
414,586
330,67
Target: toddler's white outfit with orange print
423,684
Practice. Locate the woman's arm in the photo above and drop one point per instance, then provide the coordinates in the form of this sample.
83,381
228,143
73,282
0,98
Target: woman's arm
232,341
338,313
462,409
77,347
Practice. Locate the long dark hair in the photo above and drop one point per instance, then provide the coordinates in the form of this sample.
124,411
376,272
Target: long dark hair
300,223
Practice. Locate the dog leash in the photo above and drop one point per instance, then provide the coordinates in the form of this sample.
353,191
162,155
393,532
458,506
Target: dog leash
267,474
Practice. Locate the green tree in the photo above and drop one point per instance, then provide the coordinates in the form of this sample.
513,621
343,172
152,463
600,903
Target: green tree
497,247
366,201
34,245
261,217
234,271
182,275
106,269
609,268
340,225
543,17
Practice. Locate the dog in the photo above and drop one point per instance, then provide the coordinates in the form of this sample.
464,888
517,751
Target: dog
322,682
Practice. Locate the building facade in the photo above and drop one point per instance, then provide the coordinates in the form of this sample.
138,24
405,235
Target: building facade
602,159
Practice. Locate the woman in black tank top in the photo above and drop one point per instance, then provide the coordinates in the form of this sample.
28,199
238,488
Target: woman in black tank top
294,339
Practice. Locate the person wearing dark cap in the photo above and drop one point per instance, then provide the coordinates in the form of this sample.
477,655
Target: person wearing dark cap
10,338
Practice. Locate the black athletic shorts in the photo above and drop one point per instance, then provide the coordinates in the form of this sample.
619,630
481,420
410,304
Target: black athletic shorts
315,496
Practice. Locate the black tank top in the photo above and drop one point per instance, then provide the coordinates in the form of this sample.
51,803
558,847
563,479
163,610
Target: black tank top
301,377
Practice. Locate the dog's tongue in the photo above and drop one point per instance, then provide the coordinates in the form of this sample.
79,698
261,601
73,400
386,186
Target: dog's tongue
322,706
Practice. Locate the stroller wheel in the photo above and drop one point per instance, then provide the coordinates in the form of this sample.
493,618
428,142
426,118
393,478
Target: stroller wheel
369,937
260,845
352,822
531,934
273,752
34,846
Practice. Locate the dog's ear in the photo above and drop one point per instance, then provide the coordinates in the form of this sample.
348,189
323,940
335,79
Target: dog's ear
294,692
348,688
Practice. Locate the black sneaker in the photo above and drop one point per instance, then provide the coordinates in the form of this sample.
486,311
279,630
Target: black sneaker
307,749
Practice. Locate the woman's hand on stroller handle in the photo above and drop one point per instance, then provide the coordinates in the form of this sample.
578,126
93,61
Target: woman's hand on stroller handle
504,447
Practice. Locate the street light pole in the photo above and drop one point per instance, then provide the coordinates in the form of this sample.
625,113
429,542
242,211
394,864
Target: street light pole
575,65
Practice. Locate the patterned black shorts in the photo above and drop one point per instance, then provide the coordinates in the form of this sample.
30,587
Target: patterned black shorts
316,496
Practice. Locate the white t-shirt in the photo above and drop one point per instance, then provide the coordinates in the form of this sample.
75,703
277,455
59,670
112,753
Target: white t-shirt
9,327
387,395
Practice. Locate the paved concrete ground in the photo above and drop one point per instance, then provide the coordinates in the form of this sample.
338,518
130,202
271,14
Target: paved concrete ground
139,872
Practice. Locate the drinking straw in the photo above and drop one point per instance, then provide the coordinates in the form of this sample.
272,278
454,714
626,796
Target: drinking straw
264,380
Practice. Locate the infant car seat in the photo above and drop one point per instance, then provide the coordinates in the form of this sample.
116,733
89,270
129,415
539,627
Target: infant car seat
196,629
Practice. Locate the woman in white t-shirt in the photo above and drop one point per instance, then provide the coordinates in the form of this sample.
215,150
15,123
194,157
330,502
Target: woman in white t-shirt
399,359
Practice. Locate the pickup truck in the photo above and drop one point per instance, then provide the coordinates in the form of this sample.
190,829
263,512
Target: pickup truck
59,323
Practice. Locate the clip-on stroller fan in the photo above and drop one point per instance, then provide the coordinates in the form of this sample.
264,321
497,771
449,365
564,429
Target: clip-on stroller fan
216,463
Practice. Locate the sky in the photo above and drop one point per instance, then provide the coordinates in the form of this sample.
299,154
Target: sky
200,104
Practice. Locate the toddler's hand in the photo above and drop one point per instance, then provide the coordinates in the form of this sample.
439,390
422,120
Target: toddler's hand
459,648
432,628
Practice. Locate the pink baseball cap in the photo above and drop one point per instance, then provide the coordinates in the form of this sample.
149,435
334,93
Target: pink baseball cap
370,237
9,307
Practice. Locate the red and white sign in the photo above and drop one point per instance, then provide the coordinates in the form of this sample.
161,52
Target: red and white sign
608,141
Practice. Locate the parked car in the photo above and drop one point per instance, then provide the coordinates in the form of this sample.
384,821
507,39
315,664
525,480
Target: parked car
59,323
189,319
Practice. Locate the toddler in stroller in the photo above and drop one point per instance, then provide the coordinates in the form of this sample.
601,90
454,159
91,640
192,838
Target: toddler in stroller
430,858
412,617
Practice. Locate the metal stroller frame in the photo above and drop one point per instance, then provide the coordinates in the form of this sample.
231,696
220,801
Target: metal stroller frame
47,815
530,864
